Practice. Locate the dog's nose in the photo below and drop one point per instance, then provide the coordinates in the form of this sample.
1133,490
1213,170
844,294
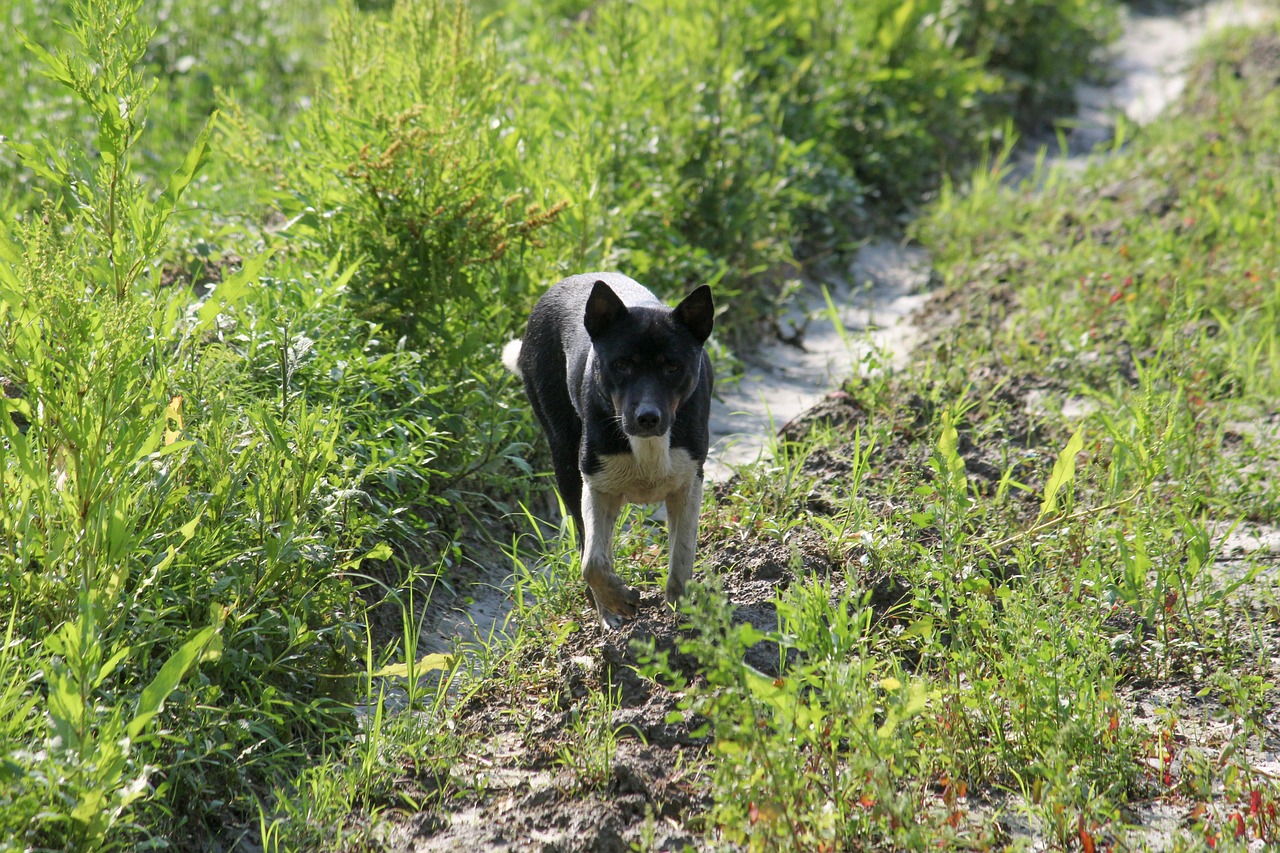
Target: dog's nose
648,417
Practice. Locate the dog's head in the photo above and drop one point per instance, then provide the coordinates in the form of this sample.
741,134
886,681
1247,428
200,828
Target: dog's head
648,358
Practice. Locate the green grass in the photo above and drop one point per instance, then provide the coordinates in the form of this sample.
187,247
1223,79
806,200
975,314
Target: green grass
1053,582
221,516
263,52
1043,488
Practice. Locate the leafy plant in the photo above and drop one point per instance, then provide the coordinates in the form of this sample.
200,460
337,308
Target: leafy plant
114,202
402,168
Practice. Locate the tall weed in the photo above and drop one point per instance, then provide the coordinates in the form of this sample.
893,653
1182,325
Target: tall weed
400,166
263,50
169,546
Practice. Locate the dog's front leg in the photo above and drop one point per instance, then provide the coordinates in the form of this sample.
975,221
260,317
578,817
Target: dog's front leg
612,597
683,508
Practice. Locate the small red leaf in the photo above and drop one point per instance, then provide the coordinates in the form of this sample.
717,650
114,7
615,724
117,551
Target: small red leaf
1086,839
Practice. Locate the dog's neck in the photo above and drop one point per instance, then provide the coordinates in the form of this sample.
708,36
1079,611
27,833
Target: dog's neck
652,453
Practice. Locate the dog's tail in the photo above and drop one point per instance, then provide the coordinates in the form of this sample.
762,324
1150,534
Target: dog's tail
511,356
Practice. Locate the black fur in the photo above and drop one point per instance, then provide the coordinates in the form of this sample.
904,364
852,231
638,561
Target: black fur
604,363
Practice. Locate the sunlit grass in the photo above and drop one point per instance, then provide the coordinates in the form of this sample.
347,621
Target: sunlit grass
207,507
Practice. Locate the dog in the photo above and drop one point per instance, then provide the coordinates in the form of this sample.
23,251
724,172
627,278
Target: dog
621,385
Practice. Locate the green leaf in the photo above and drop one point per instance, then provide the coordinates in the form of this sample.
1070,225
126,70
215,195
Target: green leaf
55,67
155,693
191,164
424,664
66,710
1064,471
772,691
188,530
727,747
110,666
112,141
10,257
36,159
344,279
949,450
381,551
918,697
230,290
87,812
922,627
889,726
750,635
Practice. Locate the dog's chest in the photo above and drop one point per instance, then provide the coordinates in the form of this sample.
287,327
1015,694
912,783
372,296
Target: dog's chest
650,473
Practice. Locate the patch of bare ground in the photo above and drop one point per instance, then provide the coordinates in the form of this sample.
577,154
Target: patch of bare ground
539,775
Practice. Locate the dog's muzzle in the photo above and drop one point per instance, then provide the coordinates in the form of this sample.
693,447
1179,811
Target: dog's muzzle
645,420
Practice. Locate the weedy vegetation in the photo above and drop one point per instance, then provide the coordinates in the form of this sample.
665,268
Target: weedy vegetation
1030,627
257,260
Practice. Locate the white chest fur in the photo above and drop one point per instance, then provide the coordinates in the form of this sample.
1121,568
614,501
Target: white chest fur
650,473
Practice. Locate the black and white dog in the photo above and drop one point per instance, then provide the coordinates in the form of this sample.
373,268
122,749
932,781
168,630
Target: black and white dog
622,387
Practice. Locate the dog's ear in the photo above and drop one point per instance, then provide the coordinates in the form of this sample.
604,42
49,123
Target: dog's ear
604,308
697,313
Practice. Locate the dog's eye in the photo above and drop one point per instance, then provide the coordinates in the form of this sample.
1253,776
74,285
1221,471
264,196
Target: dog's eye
671,368
622,365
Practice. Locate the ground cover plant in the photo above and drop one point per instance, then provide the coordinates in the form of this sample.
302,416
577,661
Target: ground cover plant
256,263
1016,595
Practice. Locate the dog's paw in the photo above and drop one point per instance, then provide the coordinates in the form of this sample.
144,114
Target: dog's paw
613,600
610,621
675,590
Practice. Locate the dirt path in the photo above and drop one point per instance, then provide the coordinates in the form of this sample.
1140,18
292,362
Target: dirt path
871,326
1151,59
865,326
886,282
521,797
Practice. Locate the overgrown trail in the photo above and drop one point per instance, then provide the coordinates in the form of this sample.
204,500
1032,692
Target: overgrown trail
581,742
864,319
